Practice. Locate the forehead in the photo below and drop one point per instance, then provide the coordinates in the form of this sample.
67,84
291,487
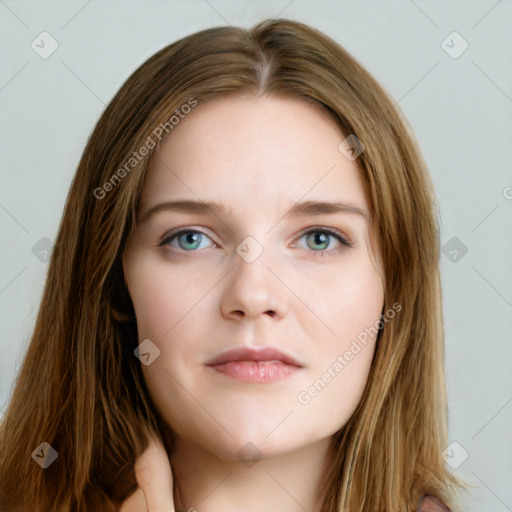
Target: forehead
252,152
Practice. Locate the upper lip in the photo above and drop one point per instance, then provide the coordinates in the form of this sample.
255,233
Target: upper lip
253,354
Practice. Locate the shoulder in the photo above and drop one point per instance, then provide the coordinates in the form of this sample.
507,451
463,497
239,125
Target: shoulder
429,503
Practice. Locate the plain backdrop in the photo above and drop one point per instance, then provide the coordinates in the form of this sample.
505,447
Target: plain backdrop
458,100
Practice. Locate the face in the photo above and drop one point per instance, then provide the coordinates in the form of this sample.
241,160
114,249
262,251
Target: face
255,307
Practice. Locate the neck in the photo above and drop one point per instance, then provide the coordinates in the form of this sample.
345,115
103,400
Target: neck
289,482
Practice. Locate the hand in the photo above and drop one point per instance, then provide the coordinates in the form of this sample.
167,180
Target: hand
154,476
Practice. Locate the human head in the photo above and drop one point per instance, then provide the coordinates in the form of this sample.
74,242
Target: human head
86,292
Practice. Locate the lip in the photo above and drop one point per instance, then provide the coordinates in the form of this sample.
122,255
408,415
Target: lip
258,365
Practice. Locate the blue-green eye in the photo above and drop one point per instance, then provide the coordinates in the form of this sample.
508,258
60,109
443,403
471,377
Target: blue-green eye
319,240
188,240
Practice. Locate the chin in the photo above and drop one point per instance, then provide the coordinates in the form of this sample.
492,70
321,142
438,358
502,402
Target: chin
251,441
249,449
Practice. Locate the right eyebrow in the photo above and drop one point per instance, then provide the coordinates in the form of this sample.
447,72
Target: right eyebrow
185,206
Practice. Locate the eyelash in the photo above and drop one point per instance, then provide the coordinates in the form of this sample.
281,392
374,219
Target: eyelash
327,231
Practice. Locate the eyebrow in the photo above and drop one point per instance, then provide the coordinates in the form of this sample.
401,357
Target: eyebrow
305,208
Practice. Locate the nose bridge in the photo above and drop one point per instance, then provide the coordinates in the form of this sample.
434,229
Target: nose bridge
250,264
253,289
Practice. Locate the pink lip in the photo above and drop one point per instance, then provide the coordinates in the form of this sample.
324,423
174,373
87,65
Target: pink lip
254,365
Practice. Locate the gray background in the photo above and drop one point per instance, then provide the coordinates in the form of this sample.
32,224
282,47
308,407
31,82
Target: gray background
460,109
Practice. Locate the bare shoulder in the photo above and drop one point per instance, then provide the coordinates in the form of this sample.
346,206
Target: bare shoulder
429,503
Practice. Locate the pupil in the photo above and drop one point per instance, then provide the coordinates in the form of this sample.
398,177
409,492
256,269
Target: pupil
191,238
320,238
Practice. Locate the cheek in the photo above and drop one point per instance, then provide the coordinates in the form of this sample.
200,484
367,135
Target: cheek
163,299
347,301
360,300
334,392
351,306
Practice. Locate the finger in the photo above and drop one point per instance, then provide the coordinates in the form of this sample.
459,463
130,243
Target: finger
136,502
154,476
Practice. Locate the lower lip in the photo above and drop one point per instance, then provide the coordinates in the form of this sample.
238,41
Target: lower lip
256,371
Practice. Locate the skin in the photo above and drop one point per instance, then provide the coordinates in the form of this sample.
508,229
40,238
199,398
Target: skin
258,156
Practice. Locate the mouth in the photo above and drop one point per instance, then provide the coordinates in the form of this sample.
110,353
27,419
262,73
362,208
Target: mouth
257,365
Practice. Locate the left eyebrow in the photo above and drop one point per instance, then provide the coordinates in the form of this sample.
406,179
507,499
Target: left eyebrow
305,208
310,208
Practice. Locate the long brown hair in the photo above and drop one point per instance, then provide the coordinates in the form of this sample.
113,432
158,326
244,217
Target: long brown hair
80,388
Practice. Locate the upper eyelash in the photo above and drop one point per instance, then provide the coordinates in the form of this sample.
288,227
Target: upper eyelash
329,231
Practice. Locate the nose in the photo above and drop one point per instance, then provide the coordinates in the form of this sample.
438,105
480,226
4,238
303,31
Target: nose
252,290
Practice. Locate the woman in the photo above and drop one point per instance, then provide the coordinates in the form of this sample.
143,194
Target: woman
245,289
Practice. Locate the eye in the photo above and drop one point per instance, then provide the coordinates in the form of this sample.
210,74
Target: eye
187,239
319,239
